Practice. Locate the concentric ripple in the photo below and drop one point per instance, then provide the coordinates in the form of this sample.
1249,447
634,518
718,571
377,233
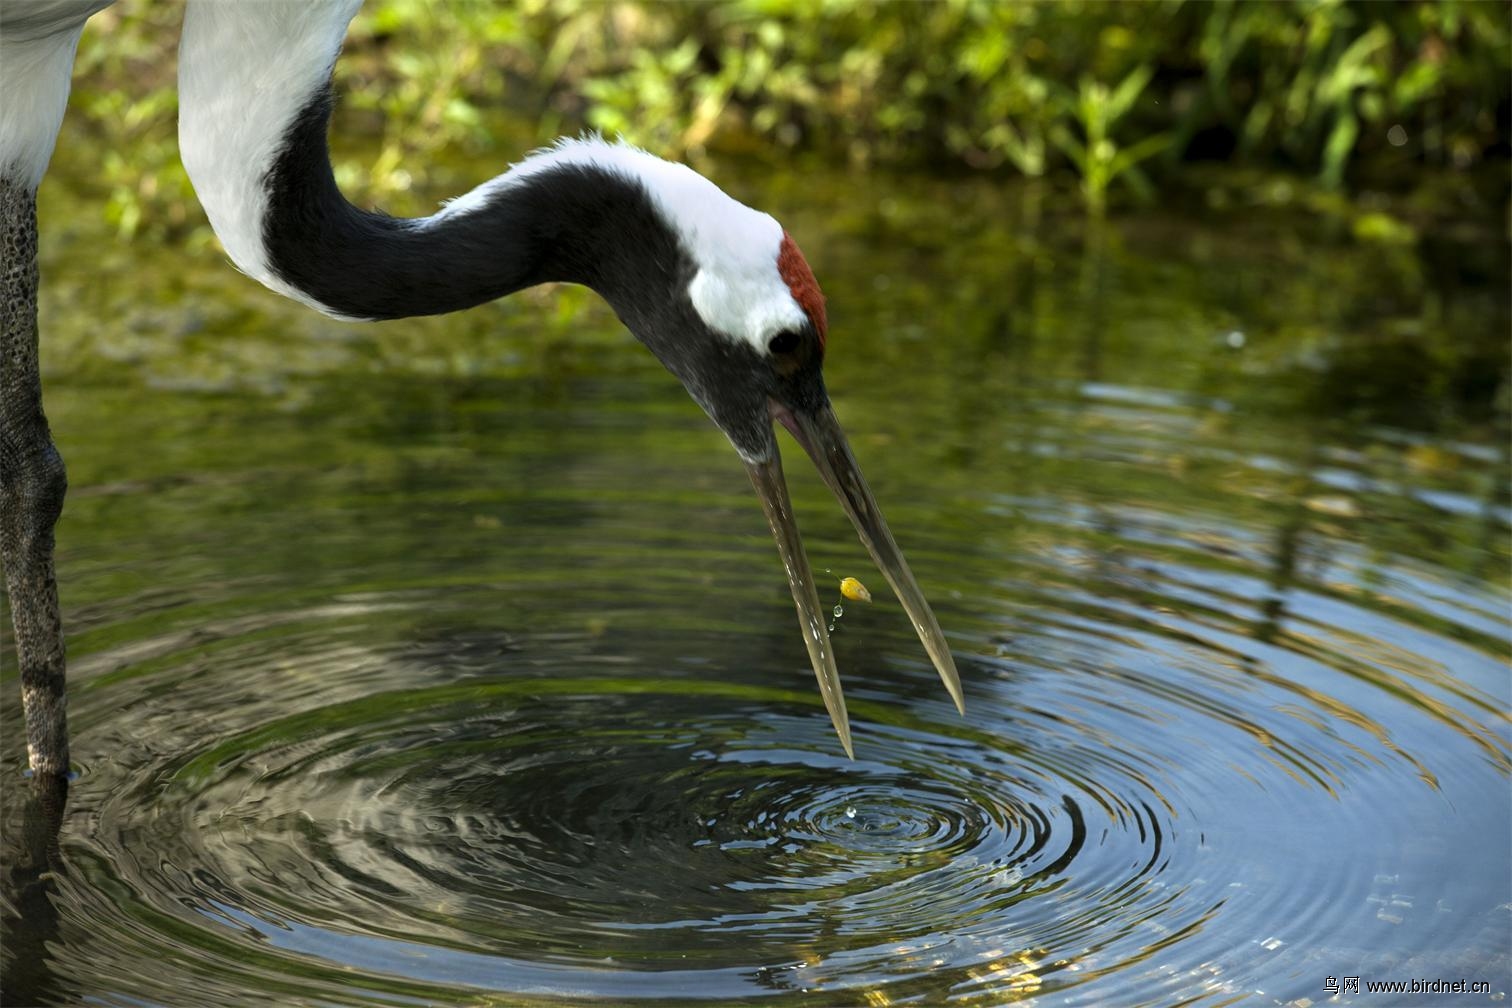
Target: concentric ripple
526,833
1184,776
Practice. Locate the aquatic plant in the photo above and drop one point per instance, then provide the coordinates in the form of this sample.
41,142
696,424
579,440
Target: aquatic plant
1097,157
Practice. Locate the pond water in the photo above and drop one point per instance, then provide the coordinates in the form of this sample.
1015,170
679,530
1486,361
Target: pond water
450,661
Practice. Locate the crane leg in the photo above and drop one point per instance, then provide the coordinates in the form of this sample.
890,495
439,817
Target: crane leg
32,484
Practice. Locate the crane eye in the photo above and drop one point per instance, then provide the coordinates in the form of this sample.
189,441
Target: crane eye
783,342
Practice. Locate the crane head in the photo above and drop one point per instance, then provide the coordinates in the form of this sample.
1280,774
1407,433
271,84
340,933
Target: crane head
725,299
751,353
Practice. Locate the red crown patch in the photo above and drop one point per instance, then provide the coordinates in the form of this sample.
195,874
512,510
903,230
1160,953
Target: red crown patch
795,272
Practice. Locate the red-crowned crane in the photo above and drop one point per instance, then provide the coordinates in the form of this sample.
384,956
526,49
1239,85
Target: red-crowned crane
716,290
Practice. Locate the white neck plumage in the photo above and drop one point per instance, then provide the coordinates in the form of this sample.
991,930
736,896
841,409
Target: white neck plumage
254,105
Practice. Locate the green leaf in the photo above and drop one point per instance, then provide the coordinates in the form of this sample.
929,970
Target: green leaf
1128,90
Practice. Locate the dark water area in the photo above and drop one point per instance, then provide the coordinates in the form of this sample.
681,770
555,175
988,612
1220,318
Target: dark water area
450,661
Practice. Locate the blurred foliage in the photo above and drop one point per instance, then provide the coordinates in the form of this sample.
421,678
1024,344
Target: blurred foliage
1353,94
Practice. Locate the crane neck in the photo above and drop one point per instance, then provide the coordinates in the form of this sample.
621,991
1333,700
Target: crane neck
255,107
573,222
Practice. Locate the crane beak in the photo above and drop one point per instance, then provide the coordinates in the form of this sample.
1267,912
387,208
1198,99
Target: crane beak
820,435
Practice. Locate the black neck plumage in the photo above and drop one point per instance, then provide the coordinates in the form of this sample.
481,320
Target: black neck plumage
576,223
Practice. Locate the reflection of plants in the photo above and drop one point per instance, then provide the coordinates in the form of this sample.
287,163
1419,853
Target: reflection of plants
1097,157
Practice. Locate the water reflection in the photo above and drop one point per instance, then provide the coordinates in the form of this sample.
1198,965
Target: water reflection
29,915
481,686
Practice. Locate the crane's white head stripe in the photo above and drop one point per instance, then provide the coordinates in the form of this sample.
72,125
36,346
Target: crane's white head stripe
738,289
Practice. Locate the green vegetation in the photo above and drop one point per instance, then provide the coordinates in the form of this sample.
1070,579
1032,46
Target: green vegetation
1327,128
1113,98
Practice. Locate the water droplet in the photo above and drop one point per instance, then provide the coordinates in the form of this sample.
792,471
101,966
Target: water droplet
850,811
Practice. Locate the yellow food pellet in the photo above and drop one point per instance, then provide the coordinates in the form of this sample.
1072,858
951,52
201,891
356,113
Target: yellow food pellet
854,590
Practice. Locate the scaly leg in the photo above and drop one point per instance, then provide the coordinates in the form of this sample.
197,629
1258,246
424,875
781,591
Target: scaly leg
32,484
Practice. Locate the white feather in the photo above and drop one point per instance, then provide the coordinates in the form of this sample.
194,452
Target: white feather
37,45
245,71
737,290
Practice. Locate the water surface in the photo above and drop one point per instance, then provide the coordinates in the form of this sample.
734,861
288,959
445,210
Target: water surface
450,662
